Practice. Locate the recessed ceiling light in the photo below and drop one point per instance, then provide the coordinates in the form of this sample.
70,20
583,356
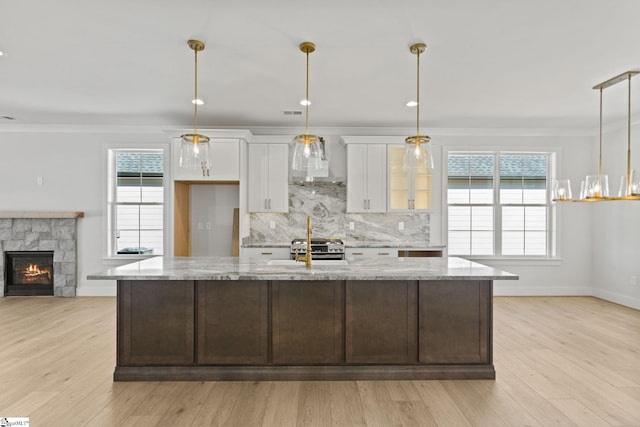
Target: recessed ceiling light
411,104
1,53
197,101
305,102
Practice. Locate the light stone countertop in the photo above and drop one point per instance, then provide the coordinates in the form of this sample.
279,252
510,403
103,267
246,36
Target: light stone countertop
395,245
231,268
354,244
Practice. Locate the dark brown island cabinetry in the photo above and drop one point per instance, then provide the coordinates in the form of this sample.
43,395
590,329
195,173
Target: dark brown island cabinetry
303,330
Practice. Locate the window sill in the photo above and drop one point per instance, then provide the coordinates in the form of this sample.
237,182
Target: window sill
118,259
529,261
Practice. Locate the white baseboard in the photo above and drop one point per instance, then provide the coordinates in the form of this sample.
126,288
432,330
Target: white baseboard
504,290
97,291
625,300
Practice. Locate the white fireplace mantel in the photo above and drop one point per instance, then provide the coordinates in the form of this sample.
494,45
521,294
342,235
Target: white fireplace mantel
40,214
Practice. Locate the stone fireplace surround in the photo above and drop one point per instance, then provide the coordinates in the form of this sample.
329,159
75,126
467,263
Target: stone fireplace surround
43,231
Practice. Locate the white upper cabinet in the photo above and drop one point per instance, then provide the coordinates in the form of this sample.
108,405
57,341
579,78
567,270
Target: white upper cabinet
366,178
224,156
406,194
268,170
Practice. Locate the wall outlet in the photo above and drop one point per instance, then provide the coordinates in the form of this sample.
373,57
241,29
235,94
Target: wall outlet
352,225
207,225
401,226
200,226
40,180
633,280
272,225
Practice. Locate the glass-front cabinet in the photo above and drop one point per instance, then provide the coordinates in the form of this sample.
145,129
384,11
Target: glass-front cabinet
406,194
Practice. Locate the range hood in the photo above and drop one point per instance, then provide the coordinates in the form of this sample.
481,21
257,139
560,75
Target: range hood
324,175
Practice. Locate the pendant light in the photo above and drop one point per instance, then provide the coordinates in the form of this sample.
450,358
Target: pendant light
194,149
307,154
630,182
417,152
595,188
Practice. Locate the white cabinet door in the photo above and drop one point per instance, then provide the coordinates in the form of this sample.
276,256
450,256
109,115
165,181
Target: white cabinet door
366,178
268,189
407,193
278,178
266,253
224,157
377,178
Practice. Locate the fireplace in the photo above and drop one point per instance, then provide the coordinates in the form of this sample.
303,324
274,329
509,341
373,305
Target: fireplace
29,273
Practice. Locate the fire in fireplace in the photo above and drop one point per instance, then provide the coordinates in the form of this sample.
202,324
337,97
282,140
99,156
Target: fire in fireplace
29,273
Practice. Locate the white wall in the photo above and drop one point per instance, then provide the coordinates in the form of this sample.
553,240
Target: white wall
212,219
73,167
72,164
616,227
571,273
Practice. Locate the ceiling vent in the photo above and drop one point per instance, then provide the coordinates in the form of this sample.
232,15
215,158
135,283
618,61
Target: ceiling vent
7,118
292,112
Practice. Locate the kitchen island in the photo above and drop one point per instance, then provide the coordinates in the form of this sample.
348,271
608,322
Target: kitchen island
224,318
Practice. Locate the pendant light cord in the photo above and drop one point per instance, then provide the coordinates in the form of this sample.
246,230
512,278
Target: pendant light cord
306,104
195,101
629,137
418,99
600,156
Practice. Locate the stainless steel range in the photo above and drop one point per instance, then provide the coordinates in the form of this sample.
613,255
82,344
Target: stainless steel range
320,248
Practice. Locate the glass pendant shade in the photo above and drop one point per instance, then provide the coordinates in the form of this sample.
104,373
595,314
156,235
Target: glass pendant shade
597,187
417,154
562,190
307,154
632,188
194,151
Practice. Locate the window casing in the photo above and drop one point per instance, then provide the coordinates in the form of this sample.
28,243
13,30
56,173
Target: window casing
136,202
498,204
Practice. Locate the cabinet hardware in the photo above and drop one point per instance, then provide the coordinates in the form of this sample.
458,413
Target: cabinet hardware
383,253
266,253
358,253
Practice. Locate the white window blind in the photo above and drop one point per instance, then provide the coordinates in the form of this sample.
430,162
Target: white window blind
137,195
498,204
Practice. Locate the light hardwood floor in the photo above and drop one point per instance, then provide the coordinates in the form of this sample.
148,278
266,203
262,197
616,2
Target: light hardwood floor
560,361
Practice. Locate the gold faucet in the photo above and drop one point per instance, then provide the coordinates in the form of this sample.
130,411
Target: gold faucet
307,258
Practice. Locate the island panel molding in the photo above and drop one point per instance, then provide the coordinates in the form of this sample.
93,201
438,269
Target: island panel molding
318,323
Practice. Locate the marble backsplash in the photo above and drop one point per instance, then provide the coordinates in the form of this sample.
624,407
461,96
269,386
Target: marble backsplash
326,204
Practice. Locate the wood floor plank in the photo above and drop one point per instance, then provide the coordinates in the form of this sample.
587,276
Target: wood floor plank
346,405
534,403
377,404
579,413
441,405
314,409
220,402
560,361
282,405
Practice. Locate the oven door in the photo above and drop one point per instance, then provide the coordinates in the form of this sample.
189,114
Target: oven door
321,255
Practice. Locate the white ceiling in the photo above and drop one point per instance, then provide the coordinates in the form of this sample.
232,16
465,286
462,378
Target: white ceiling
489,63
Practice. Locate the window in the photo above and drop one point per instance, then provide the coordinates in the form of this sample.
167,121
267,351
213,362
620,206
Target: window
498,204
136,202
